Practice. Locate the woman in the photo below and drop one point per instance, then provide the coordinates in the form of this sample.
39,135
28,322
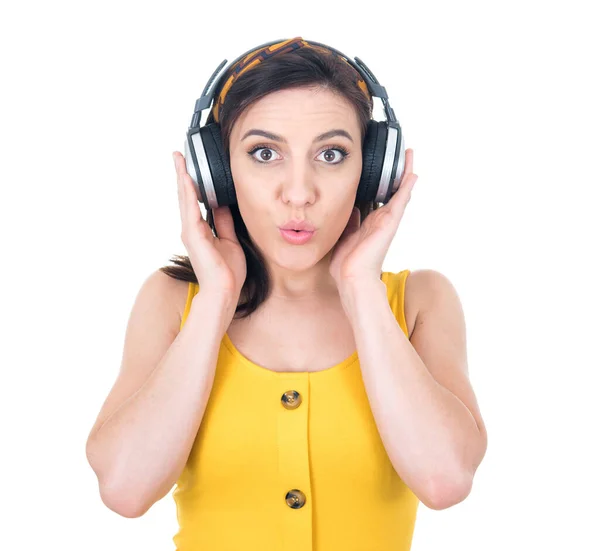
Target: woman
294,393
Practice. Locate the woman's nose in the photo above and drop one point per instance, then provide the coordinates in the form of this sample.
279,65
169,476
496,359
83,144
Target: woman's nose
298,186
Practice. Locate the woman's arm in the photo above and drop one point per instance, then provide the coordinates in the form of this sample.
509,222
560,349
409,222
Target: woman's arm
139,451
432,438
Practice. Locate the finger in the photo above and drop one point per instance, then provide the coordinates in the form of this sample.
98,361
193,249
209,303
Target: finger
180,187
399,200
224,224
408,167
190,195
409,161
410,183
191,215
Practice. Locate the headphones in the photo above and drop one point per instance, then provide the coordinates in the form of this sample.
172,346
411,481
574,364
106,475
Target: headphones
208,165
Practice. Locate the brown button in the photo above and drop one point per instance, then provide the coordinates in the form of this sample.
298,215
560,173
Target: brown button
291,399
295,499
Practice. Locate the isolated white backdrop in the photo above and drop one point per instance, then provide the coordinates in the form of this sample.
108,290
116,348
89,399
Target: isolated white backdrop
499,102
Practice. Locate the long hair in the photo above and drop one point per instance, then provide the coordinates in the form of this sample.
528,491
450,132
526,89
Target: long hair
304,67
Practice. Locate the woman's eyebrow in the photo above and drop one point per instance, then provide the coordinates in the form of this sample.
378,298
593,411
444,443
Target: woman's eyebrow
276,138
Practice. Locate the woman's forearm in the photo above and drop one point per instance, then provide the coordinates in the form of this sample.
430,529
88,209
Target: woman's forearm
141,449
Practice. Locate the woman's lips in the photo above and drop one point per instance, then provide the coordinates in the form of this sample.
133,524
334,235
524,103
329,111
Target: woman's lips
296,237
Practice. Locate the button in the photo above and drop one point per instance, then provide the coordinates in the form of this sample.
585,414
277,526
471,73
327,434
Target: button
291,399
295,499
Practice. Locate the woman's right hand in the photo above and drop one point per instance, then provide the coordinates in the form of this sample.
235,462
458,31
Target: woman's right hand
219,262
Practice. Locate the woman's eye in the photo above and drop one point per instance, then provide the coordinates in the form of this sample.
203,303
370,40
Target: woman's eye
330,157
265,155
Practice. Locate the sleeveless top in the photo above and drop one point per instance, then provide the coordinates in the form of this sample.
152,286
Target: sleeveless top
292,460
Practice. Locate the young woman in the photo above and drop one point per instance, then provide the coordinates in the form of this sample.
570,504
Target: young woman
296,395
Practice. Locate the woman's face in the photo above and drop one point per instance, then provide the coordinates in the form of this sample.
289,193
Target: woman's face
294,175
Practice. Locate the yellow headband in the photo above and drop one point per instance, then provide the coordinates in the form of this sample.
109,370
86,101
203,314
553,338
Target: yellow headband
262,54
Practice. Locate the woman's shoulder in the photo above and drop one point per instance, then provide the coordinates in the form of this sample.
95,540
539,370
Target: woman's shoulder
175,291
417,287
422,287
424,282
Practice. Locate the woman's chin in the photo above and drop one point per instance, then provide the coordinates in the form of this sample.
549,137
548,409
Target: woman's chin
297,258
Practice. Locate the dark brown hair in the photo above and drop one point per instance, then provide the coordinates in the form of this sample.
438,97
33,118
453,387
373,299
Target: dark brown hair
305,67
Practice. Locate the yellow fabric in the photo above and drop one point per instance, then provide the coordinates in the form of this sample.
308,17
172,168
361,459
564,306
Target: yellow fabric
250,451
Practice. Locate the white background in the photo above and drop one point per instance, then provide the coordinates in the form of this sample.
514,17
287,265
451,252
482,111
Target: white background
499,102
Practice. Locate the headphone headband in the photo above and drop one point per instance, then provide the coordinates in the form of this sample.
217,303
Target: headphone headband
207,162
368,83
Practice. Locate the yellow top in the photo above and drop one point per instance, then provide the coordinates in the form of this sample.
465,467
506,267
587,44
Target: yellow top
292,460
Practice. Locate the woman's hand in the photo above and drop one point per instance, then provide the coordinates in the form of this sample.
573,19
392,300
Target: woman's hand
219,262
359,253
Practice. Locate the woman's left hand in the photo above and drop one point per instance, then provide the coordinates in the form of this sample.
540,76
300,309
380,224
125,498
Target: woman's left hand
360,250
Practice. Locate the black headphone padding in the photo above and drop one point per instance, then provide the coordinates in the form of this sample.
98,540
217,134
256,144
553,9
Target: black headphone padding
218,164
373,155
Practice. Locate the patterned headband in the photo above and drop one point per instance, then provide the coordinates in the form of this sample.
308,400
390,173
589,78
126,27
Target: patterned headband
262,54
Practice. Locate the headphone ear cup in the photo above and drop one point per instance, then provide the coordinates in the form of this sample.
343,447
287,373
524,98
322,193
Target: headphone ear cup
218,162
373,156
